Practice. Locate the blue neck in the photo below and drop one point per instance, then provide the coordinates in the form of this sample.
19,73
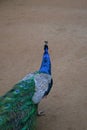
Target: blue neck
46,63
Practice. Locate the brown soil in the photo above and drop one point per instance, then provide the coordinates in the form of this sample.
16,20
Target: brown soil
24,25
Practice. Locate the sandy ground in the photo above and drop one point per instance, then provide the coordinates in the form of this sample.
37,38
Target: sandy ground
24,25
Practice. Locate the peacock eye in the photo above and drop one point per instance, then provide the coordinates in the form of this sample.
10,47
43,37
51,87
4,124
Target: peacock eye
17,91
7,106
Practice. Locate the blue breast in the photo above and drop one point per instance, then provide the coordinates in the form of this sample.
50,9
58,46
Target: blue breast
46,63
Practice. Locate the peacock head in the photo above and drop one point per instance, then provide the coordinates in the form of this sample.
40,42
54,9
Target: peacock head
45,45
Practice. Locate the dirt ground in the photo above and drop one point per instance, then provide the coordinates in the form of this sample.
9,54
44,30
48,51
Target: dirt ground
24,25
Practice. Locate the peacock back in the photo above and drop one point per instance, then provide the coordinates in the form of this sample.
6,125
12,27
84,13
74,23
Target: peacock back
17,110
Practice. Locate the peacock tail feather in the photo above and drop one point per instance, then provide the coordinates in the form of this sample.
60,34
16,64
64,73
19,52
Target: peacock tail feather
17,110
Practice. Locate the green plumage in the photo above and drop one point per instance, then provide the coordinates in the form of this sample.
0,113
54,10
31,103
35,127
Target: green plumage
17,110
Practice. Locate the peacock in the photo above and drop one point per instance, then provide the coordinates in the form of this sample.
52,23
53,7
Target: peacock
19,106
